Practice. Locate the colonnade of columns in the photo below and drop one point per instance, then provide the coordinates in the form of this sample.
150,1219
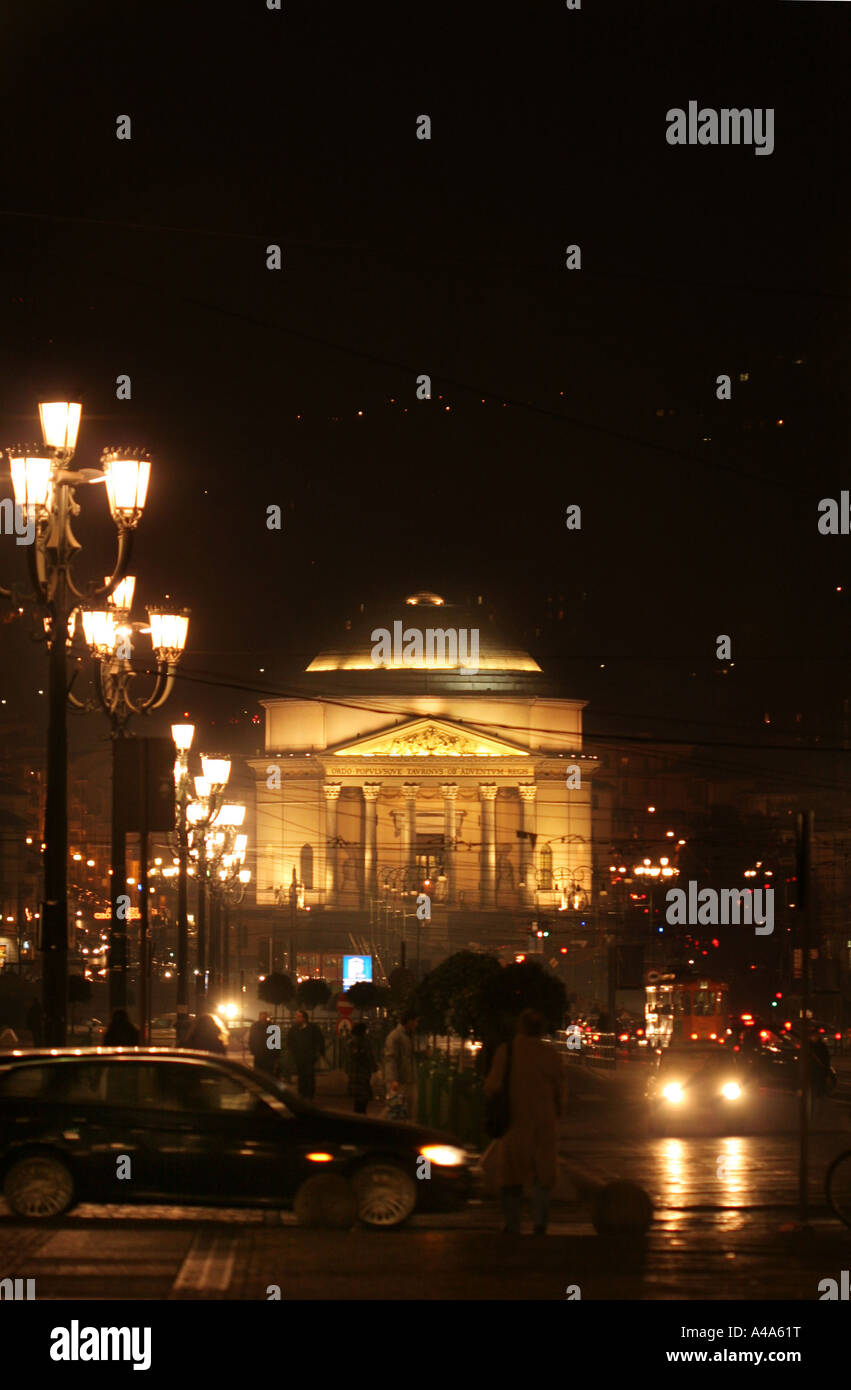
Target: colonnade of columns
487,858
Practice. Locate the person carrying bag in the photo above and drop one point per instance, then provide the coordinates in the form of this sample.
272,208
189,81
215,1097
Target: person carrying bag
523,1091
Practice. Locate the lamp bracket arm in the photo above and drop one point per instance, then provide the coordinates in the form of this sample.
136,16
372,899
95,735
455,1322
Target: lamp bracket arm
161,691
122,563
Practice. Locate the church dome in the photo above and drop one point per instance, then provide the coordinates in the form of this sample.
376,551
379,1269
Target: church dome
425,634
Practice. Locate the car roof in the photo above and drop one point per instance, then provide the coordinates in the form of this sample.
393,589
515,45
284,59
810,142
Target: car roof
69,1054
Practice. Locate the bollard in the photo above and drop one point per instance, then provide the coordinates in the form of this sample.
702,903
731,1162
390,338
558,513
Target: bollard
618,1208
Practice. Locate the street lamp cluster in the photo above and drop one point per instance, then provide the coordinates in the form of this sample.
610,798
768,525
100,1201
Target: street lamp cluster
208,835
45,481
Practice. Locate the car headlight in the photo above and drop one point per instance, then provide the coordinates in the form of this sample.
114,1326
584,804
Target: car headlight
444,1155
731,1090
673,1092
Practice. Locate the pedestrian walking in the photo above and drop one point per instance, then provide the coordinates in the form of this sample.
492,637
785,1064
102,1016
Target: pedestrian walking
305,1046
528,1150
821,1070
121,1032
207,1035
399,1061
35,1021
266,1058
361,1066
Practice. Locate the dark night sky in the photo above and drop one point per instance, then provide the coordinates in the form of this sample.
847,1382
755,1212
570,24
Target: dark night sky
402,256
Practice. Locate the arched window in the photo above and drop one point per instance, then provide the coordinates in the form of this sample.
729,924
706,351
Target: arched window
306,866
545,869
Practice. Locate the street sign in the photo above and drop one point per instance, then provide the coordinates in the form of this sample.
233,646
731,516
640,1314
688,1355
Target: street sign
356,970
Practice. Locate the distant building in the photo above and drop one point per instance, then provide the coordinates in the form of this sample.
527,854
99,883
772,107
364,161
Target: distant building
387,776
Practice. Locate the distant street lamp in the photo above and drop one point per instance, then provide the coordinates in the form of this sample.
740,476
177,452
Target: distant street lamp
182,734
109,634
201,815
45,484
662,872
228,881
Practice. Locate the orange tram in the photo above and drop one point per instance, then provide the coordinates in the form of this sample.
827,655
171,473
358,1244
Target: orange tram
681,1010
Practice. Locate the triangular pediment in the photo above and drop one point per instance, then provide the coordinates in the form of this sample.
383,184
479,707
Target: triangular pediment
428,738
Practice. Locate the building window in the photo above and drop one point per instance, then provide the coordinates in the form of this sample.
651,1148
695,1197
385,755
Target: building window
306,866
545,869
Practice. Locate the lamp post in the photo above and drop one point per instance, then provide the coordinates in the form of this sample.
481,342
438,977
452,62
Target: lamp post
225,857
182,734
45,484
663,872
228,881
201,815
109,634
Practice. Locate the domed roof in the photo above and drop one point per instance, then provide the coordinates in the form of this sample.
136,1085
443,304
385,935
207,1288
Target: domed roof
425,634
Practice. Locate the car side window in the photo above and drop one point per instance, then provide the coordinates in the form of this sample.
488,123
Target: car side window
24,1083
204,1089
66,1083
131,1084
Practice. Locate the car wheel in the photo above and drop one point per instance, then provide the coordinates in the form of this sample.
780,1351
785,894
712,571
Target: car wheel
38,1187
385,1194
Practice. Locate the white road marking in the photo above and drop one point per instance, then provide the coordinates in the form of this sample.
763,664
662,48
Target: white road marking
208,1268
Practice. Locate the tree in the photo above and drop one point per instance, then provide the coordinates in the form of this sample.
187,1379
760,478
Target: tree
312,993
527,985
454,995
366,995
79,992
276,989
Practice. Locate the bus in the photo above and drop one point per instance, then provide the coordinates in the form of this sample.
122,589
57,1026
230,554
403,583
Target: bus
681,1009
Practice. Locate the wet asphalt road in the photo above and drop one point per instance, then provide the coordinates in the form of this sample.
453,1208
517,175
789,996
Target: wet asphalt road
724,1227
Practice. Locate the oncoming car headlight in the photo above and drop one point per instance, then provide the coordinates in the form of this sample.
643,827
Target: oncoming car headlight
443,1155
673,1092
731,1090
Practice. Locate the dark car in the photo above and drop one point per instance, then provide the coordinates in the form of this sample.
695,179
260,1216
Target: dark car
698,1086
199,1129
773,1056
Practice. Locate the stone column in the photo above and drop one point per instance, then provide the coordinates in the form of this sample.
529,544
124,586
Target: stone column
487,883
528,821
332,880
450,795
370,837
409,827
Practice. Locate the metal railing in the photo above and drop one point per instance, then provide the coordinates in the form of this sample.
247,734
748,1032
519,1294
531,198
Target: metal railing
451,1098
598,1050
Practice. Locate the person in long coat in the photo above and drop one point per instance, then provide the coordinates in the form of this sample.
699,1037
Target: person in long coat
528,1151
121,1032
362,1064
207,1035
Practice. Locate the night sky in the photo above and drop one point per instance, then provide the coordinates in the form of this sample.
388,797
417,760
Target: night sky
447,257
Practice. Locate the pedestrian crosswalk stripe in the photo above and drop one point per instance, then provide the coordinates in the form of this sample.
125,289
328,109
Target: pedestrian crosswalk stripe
208,1268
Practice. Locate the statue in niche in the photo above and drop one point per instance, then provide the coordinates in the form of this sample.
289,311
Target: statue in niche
351,873
504,870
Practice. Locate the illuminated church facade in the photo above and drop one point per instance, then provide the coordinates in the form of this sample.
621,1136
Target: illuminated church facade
392,773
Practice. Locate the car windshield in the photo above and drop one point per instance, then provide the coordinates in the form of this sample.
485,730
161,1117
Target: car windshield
283,1092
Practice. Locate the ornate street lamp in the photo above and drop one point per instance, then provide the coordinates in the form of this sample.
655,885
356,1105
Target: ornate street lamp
45,484
109,635
182,735
228,879
201,815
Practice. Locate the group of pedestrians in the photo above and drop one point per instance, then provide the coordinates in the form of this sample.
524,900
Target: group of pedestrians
304,1049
